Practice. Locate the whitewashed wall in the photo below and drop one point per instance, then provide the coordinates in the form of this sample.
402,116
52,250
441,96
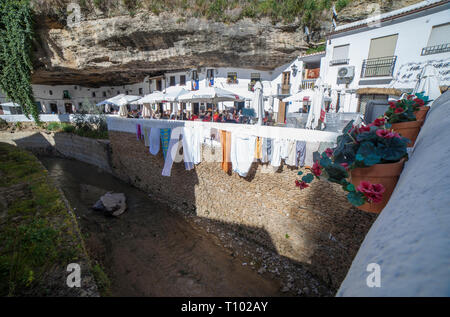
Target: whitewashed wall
413,34
119,124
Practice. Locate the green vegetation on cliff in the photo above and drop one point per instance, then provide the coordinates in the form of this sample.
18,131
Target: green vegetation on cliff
16,35
308,12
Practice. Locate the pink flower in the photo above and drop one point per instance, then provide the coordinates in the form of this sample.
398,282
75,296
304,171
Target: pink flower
301,184
399,110
316,170
387,134
392,105
378,122
344,165
419,102
372,192
362,129
329,152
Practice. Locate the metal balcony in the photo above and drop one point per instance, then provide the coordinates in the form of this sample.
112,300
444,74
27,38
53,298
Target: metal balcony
378,67
284,90
339,62
436,49
307,84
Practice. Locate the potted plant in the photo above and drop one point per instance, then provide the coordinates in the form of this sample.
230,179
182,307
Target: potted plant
367,162
407,115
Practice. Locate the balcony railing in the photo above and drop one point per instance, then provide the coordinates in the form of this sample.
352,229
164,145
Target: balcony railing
339,62
436,49
307,84
284,89
378,67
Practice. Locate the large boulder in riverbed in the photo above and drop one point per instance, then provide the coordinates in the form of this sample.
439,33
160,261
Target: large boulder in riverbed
113,204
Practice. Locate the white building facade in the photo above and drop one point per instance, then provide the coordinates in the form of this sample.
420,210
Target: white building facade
387,53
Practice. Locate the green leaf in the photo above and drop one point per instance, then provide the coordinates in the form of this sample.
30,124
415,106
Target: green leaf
356,198
325,161
308,178
350,187
336,173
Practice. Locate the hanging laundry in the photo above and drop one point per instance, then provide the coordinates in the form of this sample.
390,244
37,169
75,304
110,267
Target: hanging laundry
276,147
291,160
258,149
242,153
311,147
215,134
172,149
165,138
138,131
146,136
225,140
284,149
325,145
191,147
155,136
301,153
265,157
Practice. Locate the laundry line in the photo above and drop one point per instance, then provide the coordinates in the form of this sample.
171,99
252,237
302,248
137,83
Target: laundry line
129,125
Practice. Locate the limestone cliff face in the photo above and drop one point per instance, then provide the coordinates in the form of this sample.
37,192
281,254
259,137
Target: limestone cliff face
124,49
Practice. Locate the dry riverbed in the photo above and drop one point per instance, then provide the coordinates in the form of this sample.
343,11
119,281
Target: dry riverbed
151,250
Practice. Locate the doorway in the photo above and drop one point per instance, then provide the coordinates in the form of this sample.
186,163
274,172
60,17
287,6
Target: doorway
68,108
281,117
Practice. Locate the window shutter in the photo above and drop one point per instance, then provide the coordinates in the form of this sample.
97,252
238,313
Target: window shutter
340,52
383,46
440,34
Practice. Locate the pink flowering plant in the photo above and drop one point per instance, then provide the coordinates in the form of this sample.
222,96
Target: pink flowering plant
403,110
358,146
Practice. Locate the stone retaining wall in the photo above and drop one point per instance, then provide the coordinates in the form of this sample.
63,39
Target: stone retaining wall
92,151
316,227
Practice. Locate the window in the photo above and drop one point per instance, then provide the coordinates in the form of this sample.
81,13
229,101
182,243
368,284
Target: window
383,46
182,80
194,75
141,91
66,94
439,41
50,92
93,94
381,59
254,77
126,92
118,92
172,81
340,55
232,78
210,73
104,94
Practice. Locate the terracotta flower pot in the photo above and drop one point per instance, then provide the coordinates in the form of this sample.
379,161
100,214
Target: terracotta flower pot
421,113
408,130
384,174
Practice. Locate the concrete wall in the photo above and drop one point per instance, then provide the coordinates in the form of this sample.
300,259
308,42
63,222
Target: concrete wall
95,152
317,227
410,239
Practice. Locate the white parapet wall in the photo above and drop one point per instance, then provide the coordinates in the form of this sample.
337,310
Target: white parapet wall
129,125
410,240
